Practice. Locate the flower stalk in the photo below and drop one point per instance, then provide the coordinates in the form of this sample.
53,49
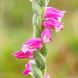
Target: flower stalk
44,20
39,9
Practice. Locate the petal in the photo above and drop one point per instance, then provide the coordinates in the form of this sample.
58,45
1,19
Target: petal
20,54
26,72
28,67
46,35
53,13
50,23
59,27
34,43
46,76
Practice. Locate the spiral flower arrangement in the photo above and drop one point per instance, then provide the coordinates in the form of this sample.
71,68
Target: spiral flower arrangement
45,19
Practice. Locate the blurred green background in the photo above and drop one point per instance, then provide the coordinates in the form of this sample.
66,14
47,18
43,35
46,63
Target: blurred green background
16,28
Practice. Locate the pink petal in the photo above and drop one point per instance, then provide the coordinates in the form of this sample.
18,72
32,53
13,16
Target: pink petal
59,27
20,54
50,23
46,76
28,69
53,13
34,43
46,35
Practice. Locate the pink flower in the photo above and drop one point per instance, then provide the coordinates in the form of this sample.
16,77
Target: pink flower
46,76
28,48
46,35
53,13
52,19
32,44
20,54
28,69
53,24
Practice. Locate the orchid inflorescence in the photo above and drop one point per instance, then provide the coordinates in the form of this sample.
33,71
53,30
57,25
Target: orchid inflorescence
44,20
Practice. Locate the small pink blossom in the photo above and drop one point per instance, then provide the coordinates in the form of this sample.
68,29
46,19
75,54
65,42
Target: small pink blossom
32,44
52,12
28,69
52,19
46,76
20,54
53,24
46,35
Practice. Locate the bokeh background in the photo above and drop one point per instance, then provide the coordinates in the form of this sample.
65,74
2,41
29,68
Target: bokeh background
16,28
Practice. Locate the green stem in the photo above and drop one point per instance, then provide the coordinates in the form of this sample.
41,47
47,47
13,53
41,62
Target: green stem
39,9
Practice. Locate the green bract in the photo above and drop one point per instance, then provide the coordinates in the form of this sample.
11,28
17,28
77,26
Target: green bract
40,60
36,72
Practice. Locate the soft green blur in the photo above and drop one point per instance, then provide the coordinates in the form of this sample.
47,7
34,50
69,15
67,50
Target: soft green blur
16,28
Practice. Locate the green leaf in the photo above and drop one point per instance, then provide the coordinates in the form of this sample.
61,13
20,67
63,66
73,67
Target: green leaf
36,72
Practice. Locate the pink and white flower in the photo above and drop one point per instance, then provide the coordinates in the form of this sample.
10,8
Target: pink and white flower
32,44
52,19
20,54
52,12
46,76
46,35
28,68
28,48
